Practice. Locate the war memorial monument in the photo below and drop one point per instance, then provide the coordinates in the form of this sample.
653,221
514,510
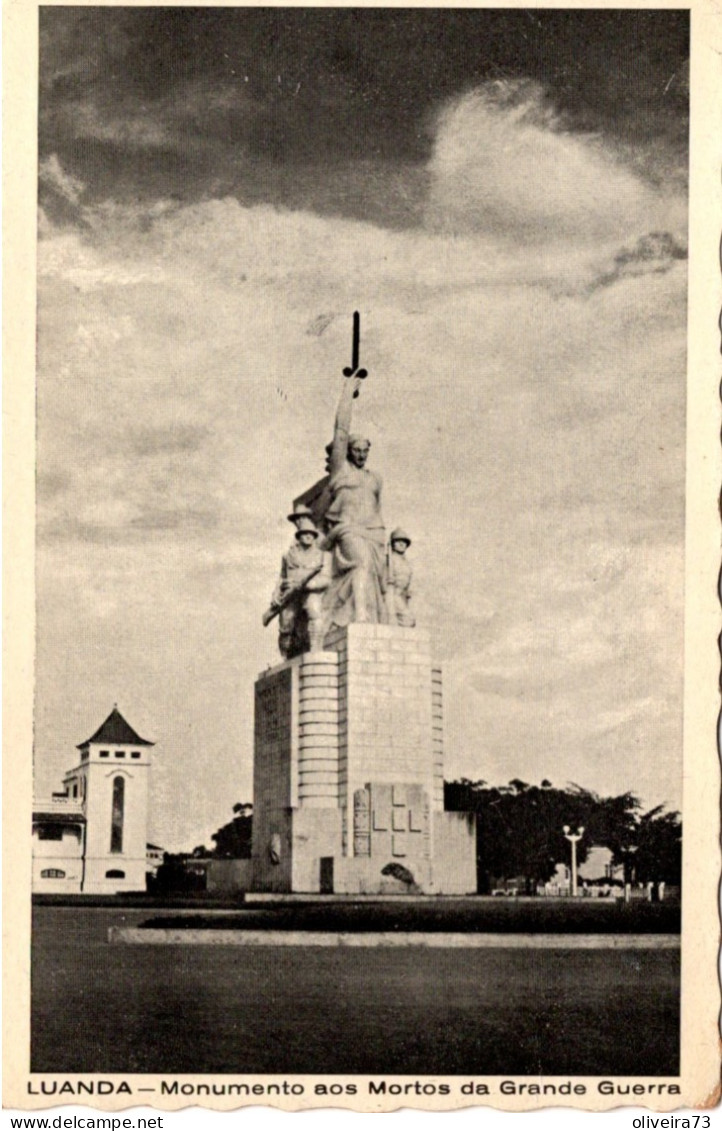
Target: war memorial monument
348,774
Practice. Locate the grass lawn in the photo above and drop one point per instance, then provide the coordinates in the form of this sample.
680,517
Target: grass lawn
102,1008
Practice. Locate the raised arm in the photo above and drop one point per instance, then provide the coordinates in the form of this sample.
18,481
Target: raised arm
342,426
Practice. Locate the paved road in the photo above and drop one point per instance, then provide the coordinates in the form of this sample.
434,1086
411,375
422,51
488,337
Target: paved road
186,1009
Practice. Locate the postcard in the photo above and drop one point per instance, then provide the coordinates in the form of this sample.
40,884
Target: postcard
362,452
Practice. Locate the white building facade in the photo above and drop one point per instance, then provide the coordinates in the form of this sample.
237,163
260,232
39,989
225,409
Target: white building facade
92,837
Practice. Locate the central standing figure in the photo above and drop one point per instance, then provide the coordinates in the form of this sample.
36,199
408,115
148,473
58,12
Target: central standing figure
355,534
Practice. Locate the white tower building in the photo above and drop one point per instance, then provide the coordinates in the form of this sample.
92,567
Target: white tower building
110,783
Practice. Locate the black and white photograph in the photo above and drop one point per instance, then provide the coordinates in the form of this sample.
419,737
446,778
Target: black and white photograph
365,768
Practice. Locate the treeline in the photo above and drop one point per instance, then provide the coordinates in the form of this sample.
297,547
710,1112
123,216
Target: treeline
520,835
520,831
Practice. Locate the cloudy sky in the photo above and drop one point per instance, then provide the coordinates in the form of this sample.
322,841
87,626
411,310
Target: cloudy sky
503,197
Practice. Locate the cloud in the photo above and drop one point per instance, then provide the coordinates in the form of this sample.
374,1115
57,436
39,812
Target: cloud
81,46
53,176
51,484
171,438
654,253
196,115
503,164
184,520
59,194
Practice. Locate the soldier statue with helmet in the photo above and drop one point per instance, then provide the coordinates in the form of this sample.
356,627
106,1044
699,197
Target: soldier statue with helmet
399,580
297,600
341,574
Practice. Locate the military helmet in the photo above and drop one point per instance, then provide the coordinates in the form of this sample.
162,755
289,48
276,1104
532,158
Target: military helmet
399,535
306,525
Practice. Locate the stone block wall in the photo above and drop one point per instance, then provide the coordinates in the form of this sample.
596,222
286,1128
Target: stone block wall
348,769
437,734
318,743
391,822
356,875
316,836
272,858
454,864
275,765
275,776
385,709
226,877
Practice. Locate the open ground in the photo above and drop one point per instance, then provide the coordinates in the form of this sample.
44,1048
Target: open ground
186,1009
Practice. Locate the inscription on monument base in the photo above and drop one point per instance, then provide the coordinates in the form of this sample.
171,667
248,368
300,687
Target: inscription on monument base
391,820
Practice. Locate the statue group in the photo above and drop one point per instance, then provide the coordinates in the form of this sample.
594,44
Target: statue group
341,568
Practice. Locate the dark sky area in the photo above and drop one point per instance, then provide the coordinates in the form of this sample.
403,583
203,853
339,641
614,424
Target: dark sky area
296,105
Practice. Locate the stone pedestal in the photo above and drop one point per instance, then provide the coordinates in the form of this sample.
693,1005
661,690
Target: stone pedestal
348,771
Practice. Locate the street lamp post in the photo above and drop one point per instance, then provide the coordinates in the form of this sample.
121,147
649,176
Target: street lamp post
629,872
573,838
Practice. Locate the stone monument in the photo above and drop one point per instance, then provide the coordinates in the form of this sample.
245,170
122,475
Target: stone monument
348,746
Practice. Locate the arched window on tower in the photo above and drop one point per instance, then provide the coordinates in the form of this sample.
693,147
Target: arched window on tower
116,820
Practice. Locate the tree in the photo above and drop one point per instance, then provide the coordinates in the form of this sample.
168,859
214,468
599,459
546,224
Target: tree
610,821
520,827
234,840
659,847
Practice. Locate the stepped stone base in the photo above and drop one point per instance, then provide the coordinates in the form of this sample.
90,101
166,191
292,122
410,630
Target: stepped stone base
348,771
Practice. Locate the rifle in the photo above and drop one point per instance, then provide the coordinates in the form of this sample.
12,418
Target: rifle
389,594
274,609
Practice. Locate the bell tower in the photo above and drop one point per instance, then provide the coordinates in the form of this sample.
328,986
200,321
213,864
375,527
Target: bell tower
111,782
